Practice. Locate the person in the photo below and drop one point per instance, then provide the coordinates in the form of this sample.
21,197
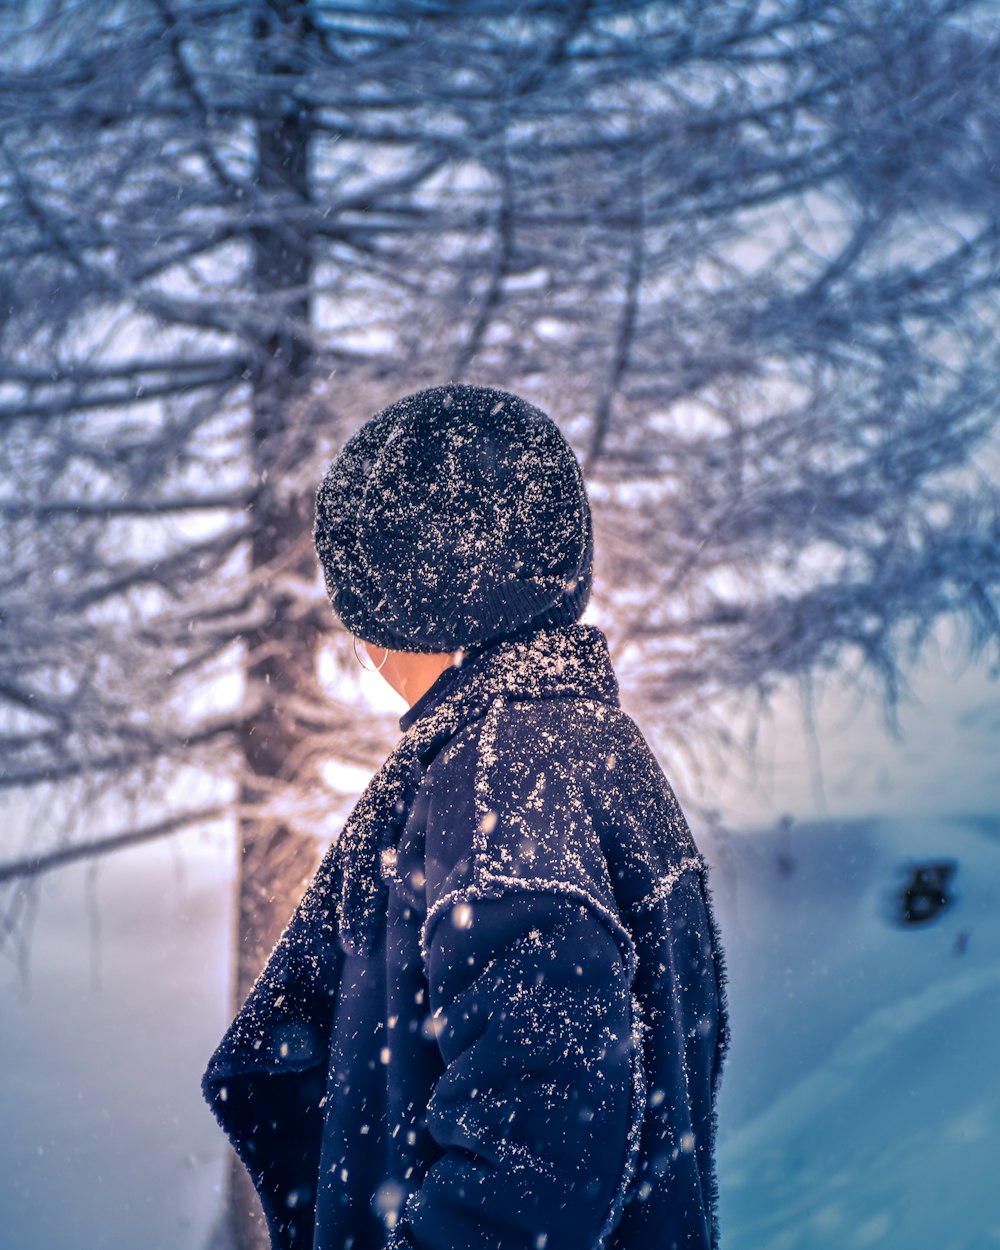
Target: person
497,1017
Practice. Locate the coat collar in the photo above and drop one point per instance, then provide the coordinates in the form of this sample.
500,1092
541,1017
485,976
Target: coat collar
568,661
283,1022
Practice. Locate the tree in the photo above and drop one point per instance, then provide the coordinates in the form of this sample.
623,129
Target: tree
745,253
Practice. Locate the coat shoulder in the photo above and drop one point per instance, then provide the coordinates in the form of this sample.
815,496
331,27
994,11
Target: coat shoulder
509,809
562,794
571,756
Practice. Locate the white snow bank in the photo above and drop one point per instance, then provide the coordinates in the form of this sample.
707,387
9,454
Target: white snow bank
861,1106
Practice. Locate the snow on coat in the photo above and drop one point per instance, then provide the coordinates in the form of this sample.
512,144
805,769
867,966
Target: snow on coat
497,1017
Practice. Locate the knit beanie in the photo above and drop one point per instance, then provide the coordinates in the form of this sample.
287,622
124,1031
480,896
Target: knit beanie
454,517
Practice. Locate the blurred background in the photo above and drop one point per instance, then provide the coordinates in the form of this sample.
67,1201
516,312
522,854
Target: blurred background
747,256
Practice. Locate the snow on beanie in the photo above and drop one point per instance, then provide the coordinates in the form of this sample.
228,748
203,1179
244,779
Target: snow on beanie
456,516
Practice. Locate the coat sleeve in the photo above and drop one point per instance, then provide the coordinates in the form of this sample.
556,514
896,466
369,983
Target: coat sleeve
538,1110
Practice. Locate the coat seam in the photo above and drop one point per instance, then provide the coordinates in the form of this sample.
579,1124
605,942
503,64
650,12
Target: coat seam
494,886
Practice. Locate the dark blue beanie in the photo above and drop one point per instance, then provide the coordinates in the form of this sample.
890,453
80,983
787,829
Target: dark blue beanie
454,517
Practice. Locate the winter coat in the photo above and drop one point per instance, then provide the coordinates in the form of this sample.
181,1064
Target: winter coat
497,1016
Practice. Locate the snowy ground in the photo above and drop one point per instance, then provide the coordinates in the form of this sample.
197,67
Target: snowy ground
860,1105
107,1144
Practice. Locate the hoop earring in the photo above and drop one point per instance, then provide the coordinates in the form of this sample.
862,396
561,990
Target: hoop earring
363,664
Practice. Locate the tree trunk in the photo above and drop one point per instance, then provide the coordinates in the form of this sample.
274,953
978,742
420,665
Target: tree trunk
274,861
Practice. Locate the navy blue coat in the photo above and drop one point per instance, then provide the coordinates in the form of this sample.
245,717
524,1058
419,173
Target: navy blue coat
497,1016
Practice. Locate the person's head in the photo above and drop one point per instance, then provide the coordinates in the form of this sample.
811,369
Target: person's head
453,518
